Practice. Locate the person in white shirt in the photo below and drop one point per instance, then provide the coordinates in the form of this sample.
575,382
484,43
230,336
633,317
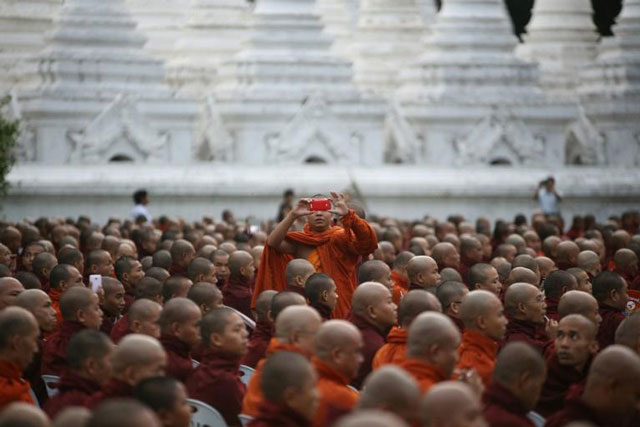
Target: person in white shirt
547,197
141,200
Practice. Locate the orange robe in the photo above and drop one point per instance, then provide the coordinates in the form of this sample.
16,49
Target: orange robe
478,351
425,374
337,252
336,399
394,351
13,388
55,295
254,397
400,286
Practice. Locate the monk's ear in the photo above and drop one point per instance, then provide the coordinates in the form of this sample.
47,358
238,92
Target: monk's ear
324,295
270,317
594,347
125,277
371,312
522,308
481,322
215,340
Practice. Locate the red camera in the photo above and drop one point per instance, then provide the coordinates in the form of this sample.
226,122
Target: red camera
320,205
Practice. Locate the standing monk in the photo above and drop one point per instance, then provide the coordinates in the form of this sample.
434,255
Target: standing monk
332,250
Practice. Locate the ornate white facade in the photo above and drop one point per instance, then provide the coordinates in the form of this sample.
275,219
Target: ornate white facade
357,85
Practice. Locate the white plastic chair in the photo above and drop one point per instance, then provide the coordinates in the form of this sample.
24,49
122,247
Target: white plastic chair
195,363
49,381
537,419
34,397
205,415
244,419
249,322
247,373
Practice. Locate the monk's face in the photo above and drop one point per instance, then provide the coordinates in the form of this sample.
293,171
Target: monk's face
234,338
75,279
474,253
91,315
535,307
574,345
495,321
319,221
533,241
114,300
45,314
452,259
385,278
189,331
304,399
620,297
9,291
135,275
180,413
349,357
104,267
150,325
431,275
384,311
584,283
221,262
331,297
491,282
5,257
210,276
29,254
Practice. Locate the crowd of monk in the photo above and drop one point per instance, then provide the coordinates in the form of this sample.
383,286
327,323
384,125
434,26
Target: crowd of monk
347,320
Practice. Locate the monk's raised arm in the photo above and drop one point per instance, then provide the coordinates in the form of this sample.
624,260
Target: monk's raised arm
359,237
276,239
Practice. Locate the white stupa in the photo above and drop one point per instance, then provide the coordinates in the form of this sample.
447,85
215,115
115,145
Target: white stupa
608,129
214,31
469,100
388,36
339,18
562,38
286,98
161,21
428,11
100,97
23,24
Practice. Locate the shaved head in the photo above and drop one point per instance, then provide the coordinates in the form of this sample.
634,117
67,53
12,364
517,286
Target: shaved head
558,282
178,310
522,274
391,389
450,275
375,271
343,337
515,360
215,322
123,413
431,332
478,310
589,261
519,294
282,300
10,288
136,351
298,271
263,304
182,252
423,270
370,296
73,300
294,319
579,321
579,302
450,293
626,262
285,373
567,254
445,255
371,418
18,336
452,402
628,333
414,303
143,309
238,262
21,414
401,261
206,296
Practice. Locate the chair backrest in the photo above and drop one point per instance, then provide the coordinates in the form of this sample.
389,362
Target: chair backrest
205,415
49,382
195,363
244,419
249,322
247,373
34,397
537,419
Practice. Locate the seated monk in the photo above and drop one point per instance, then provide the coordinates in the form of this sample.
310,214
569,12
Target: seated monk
625,263
220,259
99,262
485,326
399,276
296,274
545,265
129,272
295,331
375,271
423,273
555,285
452,404
582,278
628,333
24,415
10,288
125,412
517,380
614,377
80,310
392,390
432,349
113,303
332,250
182,253
157,273
373,314
338,358
527,261
162,259
321,292
446,255
567,254
62,277
450,295
611,292
575,346
42,266
136,357
89,360
180,328
470,255
525,308
7,259
485,277
395,350
268,307
18,344
589,261
216,381
39,304
205,295
288,385
202,270
175,287
168,399
143,318
237,292
578,302
521,275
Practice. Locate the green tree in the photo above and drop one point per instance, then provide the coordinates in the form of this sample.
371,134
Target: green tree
9,131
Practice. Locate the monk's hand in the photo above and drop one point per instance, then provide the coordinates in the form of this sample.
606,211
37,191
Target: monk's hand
473,380
339,204
301,209
551,328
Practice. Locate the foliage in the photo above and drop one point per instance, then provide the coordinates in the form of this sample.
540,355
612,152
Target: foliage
9,131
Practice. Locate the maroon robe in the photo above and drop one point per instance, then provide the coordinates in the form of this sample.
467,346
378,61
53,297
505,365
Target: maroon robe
115,389
216,382
54,356
177,270
237,294
373,339
179,362
274,415
120,329
108,321
457,322
73,390
258,344
323,310
32,374
129,298
297,289
503,409
552,308
576,409
559,380
530,333
611,319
